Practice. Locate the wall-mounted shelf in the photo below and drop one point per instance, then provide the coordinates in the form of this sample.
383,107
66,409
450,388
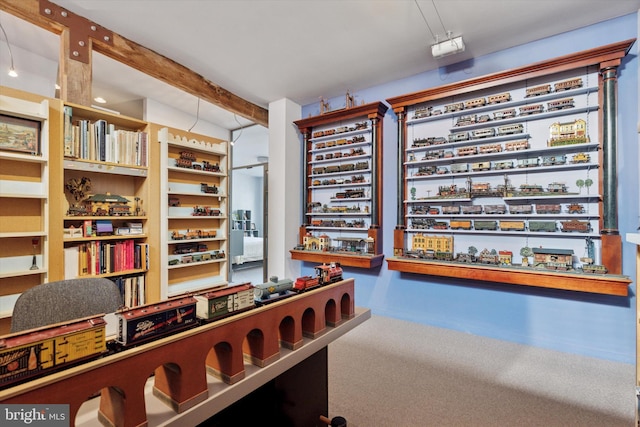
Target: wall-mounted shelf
194,212
24,197
528,136
342,194
607,284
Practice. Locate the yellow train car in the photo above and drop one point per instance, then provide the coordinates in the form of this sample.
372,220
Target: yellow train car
36,352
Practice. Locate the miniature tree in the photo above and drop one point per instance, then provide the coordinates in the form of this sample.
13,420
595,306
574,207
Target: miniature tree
525,252
413,193
580,184
588,183
473,250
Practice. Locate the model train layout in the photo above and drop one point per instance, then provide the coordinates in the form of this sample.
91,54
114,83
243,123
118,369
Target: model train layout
37,352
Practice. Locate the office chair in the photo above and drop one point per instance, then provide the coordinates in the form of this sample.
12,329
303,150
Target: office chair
56,302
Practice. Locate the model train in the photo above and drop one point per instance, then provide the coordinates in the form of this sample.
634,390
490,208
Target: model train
37,352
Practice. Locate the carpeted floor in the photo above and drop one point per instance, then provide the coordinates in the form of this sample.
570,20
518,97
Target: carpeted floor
389,372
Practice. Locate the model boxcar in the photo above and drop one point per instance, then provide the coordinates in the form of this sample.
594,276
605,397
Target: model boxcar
512,225
460,224
221,302
548,209
485,225
520,209
575,225
152,320
548,226
495,209
43,350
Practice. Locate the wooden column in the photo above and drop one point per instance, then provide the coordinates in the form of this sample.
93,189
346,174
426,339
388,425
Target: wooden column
611,240
75,76
398,233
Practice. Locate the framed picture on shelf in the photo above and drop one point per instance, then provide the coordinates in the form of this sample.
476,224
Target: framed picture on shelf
18,134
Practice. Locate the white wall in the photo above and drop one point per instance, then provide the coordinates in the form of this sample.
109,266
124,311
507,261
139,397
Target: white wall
246,194
160,113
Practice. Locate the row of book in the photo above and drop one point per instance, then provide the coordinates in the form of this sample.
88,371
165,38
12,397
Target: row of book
133,290
101,141
100,257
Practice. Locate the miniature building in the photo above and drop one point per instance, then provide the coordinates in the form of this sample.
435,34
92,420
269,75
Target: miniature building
352,244
547,255
103,202
505,257
319,243
435,243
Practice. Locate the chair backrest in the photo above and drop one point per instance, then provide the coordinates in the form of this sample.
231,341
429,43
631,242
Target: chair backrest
56,302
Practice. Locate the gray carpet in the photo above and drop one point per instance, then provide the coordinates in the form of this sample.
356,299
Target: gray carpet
389,372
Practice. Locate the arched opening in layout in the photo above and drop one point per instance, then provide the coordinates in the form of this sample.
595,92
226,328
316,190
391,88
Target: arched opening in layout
253,347
220,361
331,315
286,334
346,307
309,323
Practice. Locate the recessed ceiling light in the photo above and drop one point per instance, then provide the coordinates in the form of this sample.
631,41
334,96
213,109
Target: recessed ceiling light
100,100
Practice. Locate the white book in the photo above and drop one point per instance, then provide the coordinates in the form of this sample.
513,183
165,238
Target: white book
71,262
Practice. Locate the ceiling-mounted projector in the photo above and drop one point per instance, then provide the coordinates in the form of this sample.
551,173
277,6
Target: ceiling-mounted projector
447,47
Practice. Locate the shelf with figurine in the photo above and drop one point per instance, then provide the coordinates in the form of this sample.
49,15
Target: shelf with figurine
342,192
508,156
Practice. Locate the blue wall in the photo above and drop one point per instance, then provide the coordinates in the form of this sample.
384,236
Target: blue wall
587,324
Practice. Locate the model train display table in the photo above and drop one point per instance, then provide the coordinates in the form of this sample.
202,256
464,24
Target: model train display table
165,382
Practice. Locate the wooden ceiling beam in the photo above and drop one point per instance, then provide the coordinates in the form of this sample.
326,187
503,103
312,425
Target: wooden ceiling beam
149,62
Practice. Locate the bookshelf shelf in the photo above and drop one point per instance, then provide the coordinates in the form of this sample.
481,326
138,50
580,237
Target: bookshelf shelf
25,198
198,185
110,154
21,273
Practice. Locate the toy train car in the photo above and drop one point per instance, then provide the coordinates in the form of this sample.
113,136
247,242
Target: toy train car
485,225
512,225
222,302
505,114
150,321
39,351
575,225
495,209
263,291
329,273
548,209
36,352
209,189
520,209
531,109
538,90
568,84
500,97
460,224
517,145
542,226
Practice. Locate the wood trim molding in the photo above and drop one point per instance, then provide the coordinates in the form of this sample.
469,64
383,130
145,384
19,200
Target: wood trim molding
603,55
147,61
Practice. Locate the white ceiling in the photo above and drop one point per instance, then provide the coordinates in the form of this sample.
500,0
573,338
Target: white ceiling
266,50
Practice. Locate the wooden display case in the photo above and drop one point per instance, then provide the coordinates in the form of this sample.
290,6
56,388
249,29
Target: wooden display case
193,211
342,196
505,159
106,195
24,196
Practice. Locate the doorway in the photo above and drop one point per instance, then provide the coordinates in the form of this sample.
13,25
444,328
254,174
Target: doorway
248,234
